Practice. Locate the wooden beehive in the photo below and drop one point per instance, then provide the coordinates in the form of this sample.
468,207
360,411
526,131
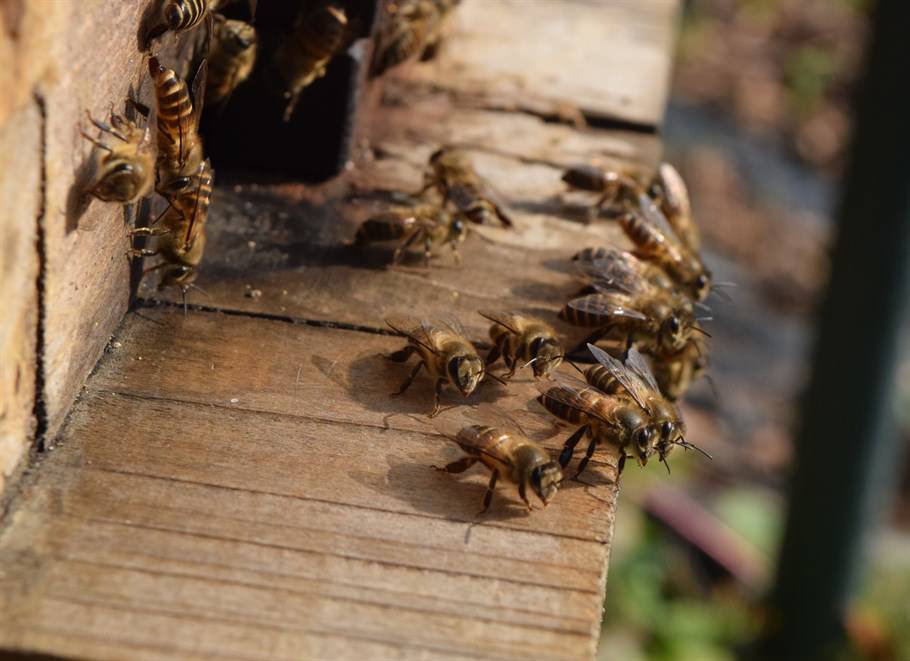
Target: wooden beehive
239,477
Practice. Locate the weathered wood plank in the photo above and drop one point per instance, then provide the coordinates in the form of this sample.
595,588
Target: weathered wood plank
273,516
20,190
612,59
87,281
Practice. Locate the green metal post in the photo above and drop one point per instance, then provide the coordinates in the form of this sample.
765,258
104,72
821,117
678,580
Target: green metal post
844,452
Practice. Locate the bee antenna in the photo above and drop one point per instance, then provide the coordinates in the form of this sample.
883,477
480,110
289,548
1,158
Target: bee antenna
530,362
580,371
185,306
198,288
713,386
666,464
702,306
721,285
701,330
687,445
721,294
704,318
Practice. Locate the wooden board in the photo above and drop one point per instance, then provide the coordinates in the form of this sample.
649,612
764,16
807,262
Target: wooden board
263,494
20,190
611,60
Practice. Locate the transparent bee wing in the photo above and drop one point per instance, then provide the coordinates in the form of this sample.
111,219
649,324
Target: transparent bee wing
505,319
613,270
452,324
654,217
198,91
192,227
602,305
628,379
676,197
414,328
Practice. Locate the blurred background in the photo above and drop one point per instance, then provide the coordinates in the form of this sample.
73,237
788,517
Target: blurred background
759,125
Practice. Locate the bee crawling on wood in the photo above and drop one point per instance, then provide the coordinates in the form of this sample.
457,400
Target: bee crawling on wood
656,320
125,169
408,29
231,58
451,172
445,353
613,185
633,416
317,36
509,455
519,337
180,230
180,151
669,190
425,225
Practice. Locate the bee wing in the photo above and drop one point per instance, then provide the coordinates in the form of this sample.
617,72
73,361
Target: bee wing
505,319
676,194
498,201
453,325
193,225
418,330
637,384
654,217
198,91
602,305
614,270
570,392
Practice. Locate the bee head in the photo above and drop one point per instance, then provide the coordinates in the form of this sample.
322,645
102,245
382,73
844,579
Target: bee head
178,275
701,286
458,230
121,183
643,444
465,372
547,355
671,332
545,479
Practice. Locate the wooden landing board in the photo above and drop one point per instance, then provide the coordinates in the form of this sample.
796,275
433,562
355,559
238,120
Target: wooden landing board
611,60
232,477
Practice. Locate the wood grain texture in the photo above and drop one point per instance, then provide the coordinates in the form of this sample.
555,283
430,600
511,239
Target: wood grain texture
611,60
238,483
20,190
261,509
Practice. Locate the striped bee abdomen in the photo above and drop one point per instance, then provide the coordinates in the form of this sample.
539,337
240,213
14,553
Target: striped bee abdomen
184,14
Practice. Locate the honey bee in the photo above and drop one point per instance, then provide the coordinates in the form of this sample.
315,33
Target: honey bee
180,231
445,353
451,172
670,191
633,415
676,372
654,240
422,224
656,320
510,456
410,27
230,60
611,184
518,337
589,261
126,171
179,144
317,36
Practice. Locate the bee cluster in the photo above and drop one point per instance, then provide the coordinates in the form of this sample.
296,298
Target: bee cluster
647,345
641,305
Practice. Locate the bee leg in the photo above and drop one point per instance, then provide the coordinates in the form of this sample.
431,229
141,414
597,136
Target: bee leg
407,382
399,251
494,353
456,257
588,454
401,355
630,342
439,384
513,365
621,464
523,493
569,447
459,466
488,496
141,108
141,252
427,250
148,231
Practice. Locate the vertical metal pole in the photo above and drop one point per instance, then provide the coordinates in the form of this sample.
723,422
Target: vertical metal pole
844,451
